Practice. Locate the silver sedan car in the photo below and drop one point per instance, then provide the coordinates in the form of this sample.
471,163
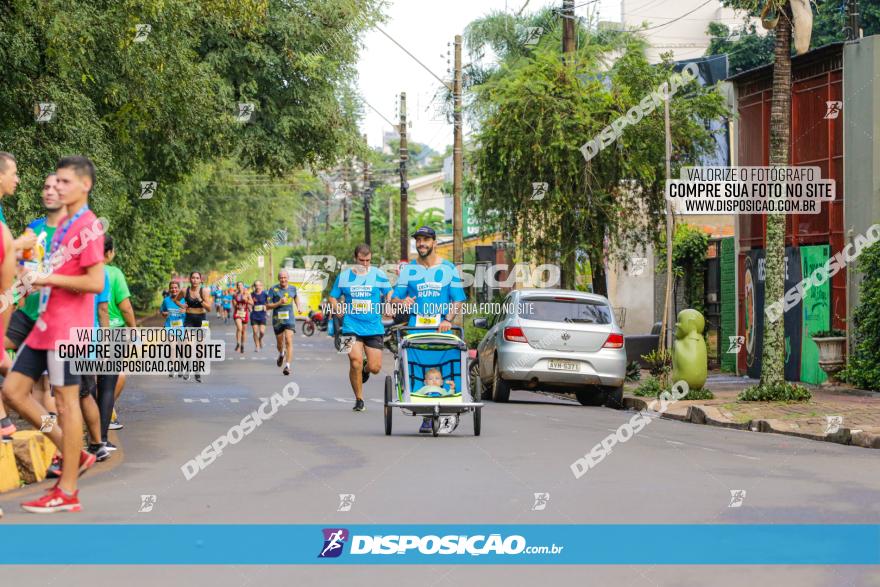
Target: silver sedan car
555,340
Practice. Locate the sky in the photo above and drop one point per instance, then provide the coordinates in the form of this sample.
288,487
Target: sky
425,28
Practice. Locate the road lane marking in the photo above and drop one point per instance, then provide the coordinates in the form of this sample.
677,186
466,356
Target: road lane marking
675,442
747,457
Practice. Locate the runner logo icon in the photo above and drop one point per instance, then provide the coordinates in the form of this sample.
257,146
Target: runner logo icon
334,541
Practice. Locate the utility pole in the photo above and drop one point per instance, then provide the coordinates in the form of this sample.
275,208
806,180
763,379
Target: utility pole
665,341
853,25
568,29
368,195
389,240
349,177
457,167
404,185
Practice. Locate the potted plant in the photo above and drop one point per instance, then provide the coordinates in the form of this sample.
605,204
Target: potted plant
832,351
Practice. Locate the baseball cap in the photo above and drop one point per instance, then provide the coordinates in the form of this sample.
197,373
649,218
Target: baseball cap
425,231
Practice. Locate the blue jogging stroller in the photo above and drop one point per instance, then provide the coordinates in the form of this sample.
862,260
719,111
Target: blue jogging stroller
419,350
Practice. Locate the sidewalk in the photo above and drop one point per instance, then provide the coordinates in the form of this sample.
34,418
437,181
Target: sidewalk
859,409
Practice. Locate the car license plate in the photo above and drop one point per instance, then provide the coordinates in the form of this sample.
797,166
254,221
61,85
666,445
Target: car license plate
560,365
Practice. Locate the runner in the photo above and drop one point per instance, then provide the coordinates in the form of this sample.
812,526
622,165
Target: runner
241,303
258,316
8,182
431,287
22,320
173,309
365,289
198,305
66,302
282,298
120,314
227,305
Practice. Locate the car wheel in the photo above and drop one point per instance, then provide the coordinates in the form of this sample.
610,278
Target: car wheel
500,387
475,383
614,397
590,396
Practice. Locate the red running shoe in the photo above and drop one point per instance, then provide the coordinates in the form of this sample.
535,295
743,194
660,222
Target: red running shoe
86,460
7,430
52,502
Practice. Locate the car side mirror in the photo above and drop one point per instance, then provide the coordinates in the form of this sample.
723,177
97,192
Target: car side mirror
481,323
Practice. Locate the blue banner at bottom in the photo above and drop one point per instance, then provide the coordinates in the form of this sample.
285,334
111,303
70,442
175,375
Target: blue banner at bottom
275,544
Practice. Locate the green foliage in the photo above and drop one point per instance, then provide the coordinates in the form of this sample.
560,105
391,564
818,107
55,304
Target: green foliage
535,111
834,332
863,365
633,371
747,49
689,247
659,362
165,110
781,392
650,387
699,394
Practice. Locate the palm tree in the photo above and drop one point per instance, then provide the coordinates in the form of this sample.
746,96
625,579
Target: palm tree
789,16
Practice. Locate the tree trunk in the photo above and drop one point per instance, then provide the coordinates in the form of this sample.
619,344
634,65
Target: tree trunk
773,360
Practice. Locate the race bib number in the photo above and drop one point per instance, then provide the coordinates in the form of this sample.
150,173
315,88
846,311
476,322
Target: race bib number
428,320
204,323
360,306
259,308
177,323
284,315
240,314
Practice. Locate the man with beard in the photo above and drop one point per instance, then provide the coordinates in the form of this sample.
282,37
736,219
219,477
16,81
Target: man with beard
431,288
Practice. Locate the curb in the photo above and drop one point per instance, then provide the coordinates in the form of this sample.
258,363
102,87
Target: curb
712,416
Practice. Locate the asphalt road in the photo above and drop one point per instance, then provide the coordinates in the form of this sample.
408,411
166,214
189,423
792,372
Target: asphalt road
293,468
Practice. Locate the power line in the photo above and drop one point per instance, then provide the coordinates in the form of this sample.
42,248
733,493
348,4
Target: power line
377,112
669,22
416,59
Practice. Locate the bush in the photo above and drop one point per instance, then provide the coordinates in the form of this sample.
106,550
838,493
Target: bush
699,394
659,363
633,371
650,387
782,392
863,368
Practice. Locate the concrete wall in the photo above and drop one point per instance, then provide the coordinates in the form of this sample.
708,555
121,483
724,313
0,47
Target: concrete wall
633,288
861,139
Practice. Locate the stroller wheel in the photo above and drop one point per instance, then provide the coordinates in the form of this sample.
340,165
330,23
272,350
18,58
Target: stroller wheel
435,425
477,418
388,409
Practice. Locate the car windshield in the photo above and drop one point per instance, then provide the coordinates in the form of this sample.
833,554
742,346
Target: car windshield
566,310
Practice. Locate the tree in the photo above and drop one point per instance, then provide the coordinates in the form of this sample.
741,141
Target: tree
779,14
165,108
747,49
533,113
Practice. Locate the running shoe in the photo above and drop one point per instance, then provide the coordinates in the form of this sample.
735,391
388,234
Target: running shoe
359,406
100,451
115,425
280,359
426,426
86,461
109,446
55,500
7,427
236,346
365,373
286,370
